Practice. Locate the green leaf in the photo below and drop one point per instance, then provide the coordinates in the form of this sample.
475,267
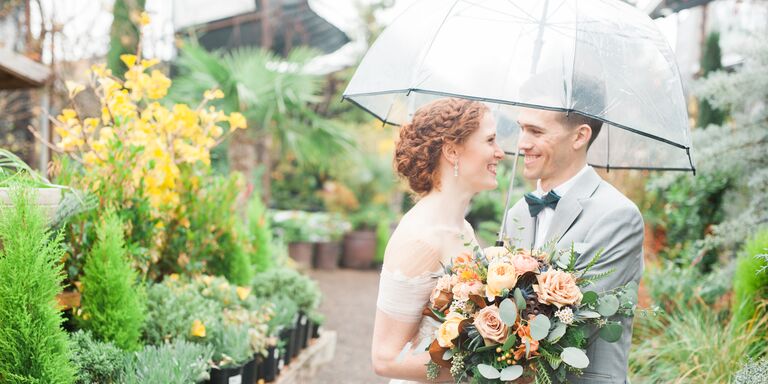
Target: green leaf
508,312
510,342
589,298
557,333
448,354
611,332
511,373
540,327
587,315
608,305
575,357
519,299
488,372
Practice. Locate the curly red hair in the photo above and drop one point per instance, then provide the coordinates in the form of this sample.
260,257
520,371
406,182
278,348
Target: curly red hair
434,125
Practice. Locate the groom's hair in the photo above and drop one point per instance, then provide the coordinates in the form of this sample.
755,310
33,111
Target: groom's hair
587,95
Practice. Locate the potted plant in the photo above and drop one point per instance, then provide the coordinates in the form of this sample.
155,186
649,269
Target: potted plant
179,362
231,351
14,171
360,244
328,249
294,228
316,320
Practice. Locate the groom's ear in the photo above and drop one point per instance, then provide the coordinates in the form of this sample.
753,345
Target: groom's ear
583,134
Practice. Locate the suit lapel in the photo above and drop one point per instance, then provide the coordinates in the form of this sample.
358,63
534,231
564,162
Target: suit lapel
521,228
569,207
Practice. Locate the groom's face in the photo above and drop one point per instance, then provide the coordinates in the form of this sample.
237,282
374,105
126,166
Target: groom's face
546,142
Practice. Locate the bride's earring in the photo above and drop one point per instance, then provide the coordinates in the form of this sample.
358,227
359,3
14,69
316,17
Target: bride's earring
456,168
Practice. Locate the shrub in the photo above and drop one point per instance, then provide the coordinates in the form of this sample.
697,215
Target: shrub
114,306
750,282
260,232
180,362
290,283
231,344
33,346
96,361
175,310
675,287
692,346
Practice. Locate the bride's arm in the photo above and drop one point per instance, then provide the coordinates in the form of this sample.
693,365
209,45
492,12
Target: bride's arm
404,289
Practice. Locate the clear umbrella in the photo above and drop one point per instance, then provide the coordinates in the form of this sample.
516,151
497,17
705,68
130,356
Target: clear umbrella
600,58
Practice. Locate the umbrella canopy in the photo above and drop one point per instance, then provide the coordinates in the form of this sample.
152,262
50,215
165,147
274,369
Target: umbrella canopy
600,58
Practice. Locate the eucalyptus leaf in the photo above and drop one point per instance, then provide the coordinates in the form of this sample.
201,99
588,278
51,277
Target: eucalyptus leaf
540,327
488,372
448,354
611,332
519,299
575,357
608,305
508,312
511,373
587,315
510,342
557,332
589,298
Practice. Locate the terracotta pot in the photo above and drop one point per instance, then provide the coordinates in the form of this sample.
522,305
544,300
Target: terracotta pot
327,255
301,253
359,249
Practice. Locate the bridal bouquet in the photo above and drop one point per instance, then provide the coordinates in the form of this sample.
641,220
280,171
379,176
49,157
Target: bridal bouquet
511,314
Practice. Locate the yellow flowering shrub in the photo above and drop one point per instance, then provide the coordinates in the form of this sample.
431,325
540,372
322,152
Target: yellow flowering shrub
137,132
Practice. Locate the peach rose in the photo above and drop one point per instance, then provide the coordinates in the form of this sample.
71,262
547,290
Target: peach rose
449,330
500,276
462,291
489,325
525,263
558,288
444,283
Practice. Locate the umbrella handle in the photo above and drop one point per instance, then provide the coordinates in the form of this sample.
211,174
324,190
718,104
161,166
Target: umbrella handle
500,240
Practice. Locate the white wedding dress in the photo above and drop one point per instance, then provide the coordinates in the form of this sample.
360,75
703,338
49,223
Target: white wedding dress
406,283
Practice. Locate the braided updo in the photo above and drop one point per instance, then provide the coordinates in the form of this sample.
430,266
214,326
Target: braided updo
440,122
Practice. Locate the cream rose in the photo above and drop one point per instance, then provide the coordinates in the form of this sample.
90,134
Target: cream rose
493,253
558,288
500,276
449,330
525,263
489,325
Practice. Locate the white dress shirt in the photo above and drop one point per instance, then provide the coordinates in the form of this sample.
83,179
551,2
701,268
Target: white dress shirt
545,216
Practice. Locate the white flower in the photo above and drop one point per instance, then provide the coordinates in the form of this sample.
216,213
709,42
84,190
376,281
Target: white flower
565,315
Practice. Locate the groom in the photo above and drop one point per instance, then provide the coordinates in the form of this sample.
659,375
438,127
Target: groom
572,205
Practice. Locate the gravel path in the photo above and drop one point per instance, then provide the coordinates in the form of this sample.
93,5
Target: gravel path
349,303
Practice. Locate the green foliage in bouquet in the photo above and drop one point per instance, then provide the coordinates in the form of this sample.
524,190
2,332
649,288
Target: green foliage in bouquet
179,362
290,283
97,361
750,282
113,302
177,310
260,232
33,346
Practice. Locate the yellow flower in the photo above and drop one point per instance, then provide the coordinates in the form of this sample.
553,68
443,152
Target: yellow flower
149,63
73,88
90,158
500,276
243,292
213,94
198,328
67,115
174,276
129,60
144,19
449,330
90,124
157,85
100,70
236,121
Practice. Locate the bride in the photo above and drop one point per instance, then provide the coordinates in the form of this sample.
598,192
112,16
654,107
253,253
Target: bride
448,153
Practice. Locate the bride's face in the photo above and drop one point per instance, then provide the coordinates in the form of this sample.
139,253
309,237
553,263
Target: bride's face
479,156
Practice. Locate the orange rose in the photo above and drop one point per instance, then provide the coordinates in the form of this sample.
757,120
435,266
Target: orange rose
558,288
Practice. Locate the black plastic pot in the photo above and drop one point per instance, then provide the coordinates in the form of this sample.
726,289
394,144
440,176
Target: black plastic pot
223,375
268,367
315,330
249,371
302,327
288,336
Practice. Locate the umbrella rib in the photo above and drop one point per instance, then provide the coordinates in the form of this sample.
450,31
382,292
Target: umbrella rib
508,153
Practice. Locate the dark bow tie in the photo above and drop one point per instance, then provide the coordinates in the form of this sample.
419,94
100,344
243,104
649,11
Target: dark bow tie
536,204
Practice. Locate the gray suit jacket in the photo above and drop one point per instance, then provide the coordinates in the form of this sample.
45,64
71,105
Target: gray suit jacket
593,215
